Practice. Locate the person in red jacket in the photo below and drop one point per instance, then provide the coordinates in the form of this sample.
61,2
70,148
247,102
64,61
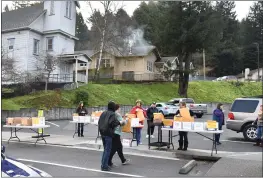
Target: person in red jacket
134,111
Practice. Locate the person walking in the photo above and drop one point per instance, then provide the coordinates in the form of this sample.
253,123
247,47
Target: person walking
116,140
134,110
219,117
106,125
149,112
186,114
259,123
82,111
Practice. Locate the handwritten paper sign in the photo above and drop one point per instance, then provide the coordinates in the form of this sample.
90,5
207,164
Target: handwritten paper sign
198,126
177,125
211,125
135,122
187,125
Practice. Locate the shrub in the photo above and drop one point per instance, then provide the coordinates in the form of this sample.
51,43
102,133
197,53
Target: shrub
81,96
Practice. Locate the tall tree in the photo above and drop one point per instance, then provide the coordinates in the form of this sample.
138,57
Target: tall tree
253,36
226,59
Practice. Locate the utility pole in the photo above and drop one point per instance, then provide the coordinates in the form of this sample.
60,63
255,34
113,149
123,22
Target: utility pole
204,63
258,58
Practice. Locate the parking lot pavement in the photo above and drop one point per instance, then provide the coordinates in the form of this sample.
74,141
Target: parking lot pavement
231,141
60,161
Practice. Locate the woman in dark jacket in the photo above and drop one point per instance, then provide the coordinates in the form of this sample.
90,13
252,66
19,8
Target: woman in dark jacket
82,112
219,117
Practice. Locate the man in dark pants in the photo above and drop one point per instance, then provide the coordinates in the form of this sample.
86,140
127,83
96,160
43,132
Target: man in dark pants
183,139
150,128
107,123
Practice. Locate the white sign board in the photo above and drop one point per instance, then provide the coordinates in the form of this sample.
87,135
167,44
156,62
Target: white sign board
126,142
134,122
76,118
177,125
187,125
198,126
42,121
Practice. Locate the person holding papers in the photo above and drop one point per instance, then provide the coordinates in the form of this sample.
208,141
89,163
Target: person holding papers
186,115
81,112
134,110
116,140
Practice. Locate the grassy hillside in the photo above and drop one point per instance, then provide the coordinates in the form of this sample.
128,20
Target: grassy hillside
127,94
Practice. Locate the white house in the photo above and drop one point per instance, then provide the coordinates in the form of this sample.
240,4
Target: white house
250,75
48,27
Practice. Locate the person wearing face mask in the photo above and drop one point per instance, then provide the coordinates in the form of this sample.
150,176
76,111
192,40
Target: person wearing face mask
219,117
82,111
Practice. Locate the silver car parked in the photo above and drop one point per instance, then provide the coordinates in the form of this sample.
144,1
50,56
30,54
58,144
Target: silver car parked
242,114
167,108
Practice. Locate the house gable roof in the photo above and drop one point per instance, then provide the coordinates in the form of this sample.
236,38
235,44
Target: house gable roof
135,52
22,17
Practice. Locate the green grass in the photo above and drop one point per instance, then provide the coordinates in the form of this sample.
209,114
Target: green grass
100,94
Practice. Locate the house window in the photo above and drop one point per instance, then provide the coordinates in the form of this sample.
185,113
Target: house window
83,64
36,47
52,8
68,9
11,43
105,63
150,66
50,44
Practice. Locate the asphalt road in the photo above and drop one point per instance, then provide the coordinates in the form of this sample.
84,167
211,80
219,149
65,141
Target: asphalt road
63,161
231,141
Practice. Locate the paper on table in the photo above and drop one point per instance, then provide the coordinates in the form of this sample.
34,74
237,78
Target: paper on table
135,122
177,125
187,125
198,126
76,118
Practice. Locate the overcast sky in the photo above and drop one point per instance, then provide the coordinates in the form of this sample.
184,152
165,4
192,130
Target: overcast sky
242,7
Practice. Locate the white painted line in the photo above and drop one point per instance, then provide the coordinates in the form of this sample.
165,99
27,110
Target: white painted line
80,168
246,154
53,124
94,149
230,141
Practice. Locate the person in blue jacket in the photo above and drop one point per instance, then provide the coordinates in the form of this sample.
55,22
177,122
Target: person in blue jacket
219,117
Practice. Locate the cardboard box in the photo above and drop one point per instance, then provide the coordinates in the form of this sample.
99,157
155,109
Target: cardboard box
35,121
9,121
26,121
17,120
127,127
168,122
98,113
140,115
158,118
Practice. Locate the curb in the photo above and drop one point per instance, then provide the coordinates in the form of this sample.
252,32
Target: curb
188,167
197,157
180,155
